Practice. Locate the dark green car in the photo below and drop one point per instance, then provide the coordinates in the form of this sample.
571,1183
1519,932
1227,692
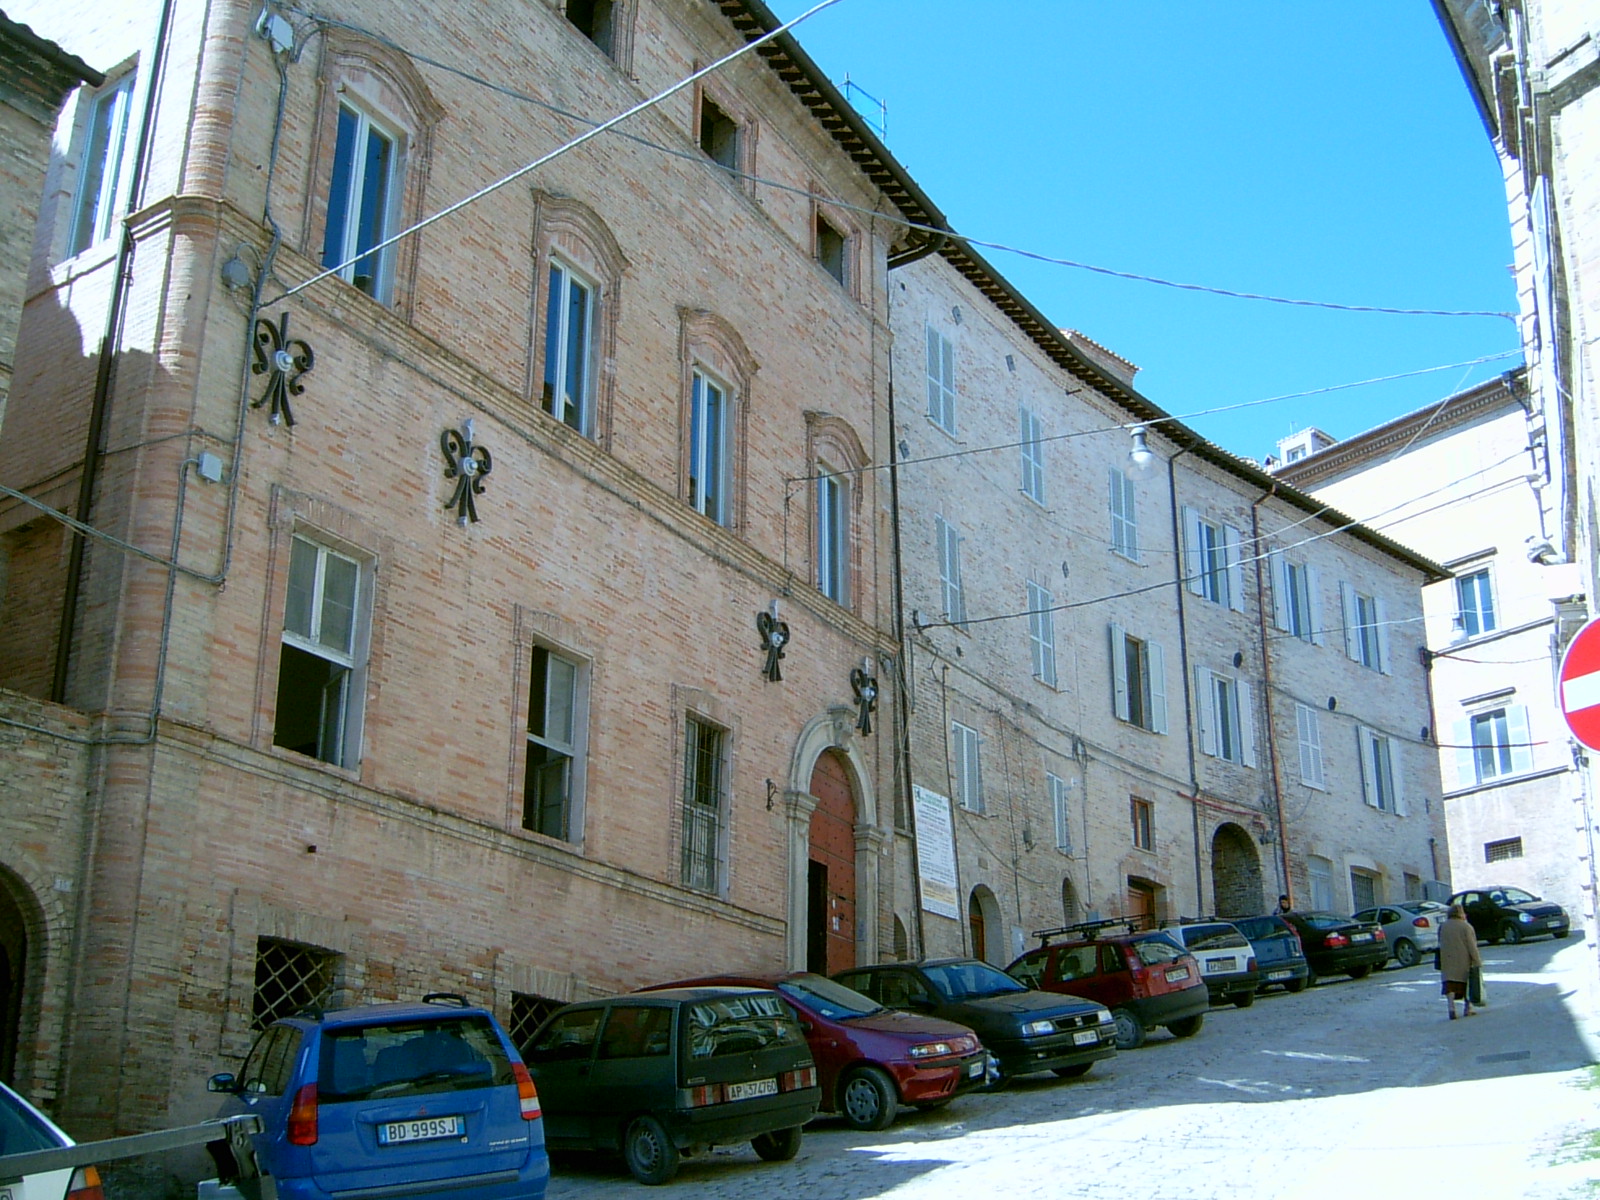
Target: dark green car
661,1074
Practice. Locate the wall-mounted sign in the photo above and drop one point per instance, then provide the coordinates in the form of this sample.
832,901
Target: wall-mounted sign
936,853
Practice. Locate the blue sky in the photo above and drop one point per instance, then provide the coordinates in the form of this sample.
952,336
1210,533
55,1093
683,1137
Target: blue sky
1298,148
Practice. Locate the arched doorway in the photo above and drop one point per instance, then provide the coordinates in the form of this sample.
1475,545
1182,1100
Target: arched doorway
1235,873
831,869
1071,912
983,920
13,977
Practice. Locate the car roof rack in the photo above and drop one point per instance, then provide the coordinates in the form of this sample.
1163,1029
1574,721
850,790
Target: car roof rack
1089,930
455,998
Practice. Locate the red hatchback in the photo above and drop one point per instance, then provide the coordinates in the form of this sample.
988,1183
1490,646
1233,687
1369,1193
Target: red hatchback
871,1059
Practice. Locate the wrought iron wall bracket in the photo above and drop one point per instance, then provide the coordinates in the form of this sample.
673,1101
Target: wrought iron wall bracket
468,465
774,637
283,360
866,689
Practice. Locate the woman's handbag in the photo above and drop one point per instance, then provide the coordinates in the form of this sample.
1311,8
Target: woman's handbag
1475,985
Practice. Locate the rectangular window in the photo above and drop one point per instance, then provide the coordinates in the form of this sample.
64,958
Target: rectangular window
1124,516
1143,836
832,250
1380,785
593,19
1226,717
719,135
104,171
833,538
1366,630
1212,561
1306,722
1042,633
555,723
1502,850
1294,589
1061,805
290,978
569,349
708,444
318,710
1138,681
1496,743
941,381
964,746
955,604
1032,455
1320,874
703,806
1475,601
359,203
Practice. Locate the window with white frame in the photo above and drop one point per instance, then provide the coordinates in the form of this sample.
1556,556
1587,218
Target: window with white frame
1296,608
955,603
941,381
553,782
1061,805
1032,454
1307,725
1493,744
704,805
1042,633
322,657
1142,815
1212,564
708,446
1381,783
361,200
1124,515
964,765
1138,681
1226,717
833,537
1319,872
105,167
1366,628
569,348
1475,602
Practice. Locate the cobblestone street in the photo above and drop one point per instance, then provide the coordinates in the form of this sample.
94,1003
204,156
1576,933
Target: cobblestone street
1350,1086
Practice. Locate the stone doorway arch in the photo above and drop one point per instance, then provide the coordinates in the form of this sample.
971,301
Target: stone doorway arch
986,926
17,953
1236,884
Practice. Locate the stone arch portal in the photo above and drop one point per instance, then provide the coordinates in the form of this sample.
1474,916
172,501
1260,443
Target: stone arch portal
1235,873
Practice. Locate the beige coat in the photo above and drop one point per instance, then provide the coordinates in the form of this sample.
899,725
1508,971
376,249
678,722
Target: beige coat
1458,950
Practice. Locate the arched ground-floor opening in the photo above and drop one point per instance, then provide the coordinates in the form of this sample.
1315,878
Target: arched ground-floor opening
1236,884
986,927
831,869
15,951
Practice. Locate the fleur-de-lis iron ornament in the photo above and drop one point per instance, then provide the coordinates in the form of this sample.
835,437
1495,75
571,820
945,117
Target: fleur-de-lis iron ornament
866,690
774,637
283,360
467,464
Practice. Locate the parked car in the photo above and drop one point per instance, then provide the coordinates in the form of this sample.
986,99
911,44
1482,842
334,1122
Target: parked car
23,1130
1336,945
871,1059
1023,1030
1143,976
1227,960
388,1099
1509,914
661,1074
1410,926
1279,955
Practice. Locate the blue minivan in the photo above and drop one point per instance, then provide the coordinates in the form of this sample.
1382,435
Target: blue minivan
386,1100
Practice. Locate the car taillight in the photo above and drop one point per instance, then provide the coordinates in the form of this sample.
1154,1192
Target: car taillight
1420,922
1251,965
1378,935
792,1081
699,1097
527,1094
303,1117
86,1185
1335,940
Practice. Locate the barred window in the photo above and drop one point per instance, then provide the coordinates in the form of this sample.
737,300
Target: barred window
290,978
702,807
1502,850
527,1014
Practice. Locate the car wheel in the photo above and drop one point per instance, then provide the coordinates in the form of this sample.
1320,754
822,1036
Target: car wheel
1130,1029
1511,933
1187,1027
1312,978
867,1099
1072,1072
649,1152
1359,972
1244,999
1406,953
778,1146
1297,985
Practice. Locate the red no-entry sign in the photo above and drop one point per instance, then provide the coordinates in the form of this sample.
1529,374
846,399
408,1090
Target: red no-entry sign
1580,685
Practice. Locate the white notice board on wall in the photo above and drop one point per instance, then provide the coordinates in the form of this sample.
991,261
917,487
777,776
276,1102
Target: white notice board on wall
936,853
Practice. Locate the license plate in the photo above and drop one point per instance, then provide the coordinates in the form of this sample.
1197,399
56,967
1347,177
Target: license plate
975,1069
1279,974
1360,937
1178,976
1085,1037
424,1129
749,1091
1223,964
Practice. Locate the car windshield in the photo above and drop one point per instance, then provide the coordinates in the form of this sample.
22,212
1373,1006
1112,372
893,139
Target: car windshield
412,1058
1517,896
829,999
740,1024
971,981
1263,929
1213,937
21,1131
1324,920
1157,949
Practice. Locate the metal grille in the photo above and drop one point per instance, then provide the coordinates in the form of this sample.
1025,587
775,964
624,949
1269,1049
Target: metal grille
1502,850
702,807
527,1014
290,978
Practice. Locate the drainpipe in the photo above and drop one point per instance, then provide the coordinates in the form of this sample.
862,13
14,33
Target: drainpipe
1284,884
105,371
1183,657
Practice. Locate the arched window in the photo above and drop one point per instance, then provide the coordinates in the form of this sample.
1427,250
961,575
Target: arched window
717,374
838,480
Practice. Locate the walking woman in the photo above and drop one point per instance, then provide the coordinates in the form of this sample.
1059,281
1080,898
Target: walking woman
1458,954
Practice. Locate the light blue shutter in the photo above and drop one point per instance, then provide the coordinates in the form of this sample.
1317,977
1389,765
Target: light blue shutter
1119,672
1314,606
1157,663
1466,756
1279,570
1347,604
1205,701
1193,560
1381,615
1230,552
1247,724
1517,735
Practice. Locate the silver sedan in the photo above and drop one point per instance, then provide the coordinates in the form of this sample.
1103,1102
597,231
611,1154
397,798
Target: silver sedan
1411,926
